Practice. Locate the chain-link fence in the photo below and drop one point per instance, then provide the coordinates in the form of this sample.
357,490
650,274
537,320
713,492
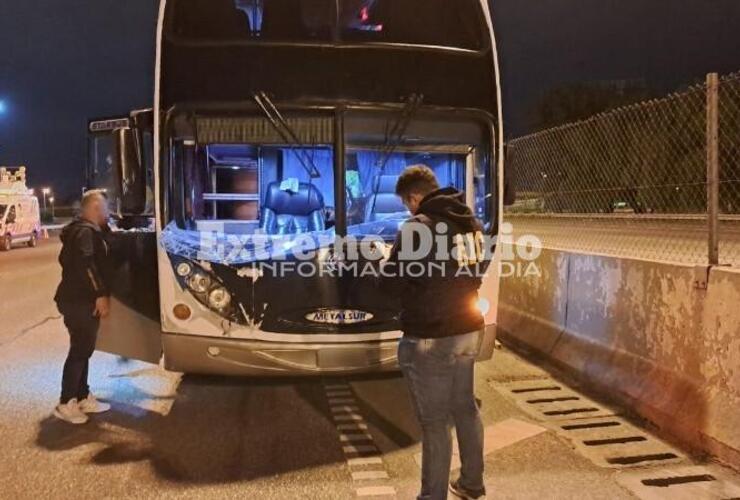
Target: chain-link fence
729,170
634,181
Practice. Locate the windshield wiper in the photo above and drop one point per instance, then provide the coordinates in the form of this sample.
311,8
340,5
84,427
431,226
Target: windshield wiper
286,133
394,138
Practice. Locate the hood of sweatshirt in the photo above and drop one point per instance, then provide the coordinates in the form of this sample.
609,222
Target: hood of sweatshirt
448,204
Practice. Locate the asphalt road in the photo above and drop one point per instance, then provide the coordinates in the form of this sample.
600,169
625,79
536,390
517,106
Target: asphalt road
175,436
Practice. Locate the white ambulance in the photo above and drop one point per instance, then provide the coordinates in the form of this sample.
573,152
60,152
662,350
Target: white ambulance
20,220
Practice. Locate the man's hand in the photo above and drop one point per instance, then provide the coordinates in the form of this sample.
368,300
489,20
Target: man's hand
102,307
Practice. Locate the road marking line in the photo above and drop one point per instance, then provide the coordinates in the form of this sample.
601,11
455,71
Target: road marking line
359,426
359,448
341,401
344,409
355,437
331,387
356,462
339,394
348,417
375,491
367,475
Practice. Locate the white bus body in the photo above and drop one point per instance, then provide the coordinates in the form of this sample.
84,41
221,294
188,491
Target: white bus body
229,76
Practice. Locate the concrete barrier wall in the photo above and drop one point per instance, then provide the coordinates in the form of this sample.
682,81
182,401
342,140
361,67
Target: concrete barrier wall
641,332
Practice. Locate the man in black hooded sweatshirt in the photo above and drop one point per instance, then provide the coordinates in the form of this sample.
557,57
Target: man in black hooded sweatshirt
441,326
82,298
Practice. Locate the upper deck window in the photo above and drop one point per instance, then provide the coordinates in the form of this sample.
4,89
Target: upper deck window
268,20
442,23
417,22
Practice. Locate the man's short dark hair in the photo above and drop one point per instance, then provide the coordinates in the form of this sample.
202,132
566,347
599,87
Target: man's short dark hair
418,179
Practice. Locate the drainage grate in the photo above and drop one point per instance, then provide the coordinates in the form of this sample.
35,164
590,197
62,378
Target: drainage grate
665,482
569,412
590,425
536,389
614,442
689,482
553,400
547,400
641,459
621,440
595,430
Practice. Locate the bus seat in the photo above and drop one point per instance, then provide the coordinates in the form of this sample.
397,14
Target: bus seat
287,212
383,203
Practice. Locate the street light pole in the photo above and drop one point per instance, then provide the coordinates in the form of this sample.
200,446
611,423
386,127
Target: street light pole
51,201
45,192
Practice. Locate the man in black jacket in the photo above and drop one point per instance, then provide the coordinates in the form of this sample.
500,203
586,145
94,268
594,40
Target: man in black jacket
83,298
438,259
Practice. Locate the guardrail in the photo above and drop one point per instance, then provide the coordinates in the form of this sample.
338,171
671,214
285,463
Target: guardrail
644,333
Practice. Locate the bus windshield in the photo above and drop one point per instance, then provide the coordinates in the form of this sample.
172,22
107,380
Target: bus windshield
442,23
455,149
262,189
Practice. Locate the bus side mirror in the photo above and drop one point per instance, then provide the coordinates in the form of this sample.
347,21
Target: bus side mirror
130,171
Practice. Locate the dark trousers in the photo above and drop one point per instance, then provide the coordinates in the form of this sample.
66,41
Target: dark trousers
440,377
83,333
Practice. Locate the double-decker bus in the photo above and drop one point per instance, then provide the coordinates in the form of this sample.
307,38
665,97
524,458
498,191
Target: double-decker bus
281,126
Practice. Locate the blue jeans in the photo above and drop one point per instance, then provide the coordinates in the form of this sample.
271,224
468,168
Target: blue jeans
439,373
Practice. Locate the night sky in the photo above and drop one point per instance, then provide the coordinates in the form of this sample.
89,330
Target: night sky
64,62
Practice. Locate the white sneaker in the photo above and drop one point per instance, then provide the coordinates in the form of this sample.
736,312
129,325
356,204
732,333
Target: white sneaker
91,405
70,412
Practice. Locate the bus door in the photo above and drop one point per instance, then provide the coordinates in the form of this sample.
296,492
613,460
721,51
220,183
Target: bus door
133,329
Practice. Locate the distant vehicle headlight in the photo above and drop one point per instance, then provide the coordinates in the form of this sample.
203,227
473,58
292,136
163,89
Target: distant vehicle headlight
199,282
219,298
184,269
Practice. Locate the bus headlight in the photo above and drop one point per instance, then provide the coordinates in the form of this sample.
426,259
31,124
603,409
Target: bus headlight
219,298
205,287
199,282
184,269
